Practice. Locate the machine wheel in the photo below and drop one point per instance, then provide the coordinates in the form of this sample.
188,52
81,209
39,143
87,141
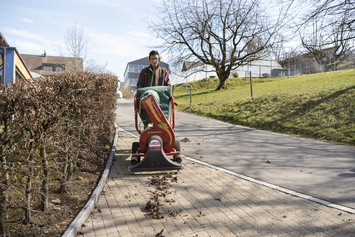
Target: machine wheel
177,147
178,159
135,147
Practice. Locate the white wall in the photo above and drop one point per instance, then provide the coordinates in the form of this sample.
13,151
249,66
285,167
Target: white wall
193,75
258,68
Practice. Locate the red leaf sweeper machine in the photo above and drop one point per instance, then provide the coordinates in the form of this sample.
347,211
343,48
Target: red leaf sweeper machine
155,107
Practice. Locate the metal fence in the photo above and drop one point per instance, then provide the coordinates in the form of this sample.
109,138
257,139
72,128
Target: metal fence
313,68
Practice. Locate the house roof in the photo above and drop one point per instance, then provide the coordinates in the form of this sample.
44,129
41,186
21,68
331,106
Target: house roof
23,63
144,61
189,65
140,61
34,62
35,75
3,40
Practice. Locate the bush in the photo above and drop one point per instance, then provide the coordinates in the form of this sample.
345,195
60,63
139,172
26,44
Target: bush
266,75
127,93
69,116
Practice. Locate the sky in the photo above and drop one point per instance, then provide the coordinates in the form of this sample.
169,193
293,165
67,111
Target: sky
116,31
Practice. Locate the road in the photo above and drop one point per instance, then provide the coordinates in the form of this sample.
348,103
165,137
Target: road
319,169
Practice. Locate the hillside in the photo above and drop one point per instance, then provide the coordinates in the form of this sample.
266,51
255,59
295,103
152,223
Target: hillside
320,106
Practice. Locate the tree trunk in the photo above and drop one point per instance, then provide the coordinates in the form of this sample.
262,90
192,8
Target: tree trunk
29,184
4,192
65,175
44,189
70,168
222,81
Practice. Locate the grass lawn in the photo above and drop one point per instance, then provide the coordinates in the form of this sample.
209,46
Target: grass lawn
320,106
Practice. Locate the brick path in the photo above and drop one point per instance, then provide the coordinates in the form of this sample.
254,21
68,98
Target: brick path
212,203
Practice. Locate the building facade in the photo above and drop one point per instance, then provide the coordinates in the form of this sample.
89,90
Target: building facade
133,70
12,66
51,65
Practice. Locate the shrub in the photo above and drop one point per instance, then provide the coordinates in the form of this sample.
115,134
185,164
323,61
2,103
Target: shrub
70,117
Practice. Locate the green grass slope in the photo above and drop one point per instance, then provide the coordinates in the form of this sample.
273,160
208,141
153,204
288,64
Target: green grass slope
320,106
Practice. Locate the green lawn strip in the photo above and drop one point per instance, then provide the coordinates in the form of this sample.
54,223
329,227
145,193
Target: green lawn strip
318,106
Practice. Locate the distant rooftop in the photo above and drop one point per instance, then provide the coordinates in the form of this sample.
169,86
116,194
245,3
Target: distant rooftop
3,40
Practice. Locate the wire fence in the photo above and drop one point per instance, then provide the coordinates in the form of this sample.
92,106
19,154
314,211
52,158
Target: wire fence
314,67
272,70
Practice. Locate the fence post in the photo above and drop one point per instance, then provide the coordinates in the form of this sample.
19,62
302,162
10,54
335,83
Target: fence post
190,96
251,86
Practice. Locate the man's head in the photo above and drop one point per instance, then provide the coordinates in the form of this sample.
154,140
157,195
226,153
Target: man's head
154,58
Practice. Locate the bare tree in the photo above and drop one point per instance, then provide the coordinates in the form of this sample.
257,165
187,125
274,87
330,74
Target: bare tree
225,34
92,66
278,50
75,46
334,13
328,45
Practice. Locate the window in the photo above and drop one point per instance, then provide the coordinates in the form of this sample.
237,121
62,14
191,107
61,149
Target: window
47,68
133,82
58,69
136,68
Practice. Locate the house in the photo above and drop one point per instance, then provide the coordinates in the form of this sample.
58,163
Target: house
328,59
190,65
133,69
12,66
301,64
50,65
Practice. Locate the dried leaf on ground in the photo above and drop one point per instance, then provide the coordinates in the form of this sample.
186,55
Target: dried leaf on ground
160,234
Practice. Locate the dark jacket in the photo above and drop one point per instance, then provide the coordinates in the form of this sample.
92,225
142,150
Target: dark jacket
148,78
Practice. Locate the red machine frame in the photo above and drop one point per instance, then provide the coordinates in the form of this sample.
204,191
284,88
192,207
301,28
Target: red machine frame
160,127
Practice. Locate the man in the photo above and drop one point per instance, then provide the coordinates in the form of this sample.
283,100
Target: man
153,75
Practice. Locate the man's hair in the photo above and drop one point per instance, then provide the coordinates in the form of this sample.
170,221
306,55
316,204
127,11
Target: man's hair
153,52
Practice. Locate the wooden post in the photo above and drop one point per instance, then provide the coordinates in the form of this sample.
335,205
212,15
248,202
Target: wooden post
251,86
190,96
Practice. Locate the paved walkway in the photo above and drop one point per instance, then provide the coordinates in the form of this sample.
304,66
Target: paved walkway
201,201
319,169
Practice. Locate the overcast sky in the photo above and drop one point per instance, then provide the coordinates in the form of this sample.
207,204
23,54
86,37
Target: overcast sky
116,32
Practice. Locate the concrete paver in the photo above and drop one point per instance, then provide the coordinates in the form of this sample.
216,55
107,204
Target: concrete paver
319,169
213,203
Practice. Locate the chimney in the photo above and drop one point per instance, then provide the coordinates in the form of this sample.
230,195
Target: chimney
45,54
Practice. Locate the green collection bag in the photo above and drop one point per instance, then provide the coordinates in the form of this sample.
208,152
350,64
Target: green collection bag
161,95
